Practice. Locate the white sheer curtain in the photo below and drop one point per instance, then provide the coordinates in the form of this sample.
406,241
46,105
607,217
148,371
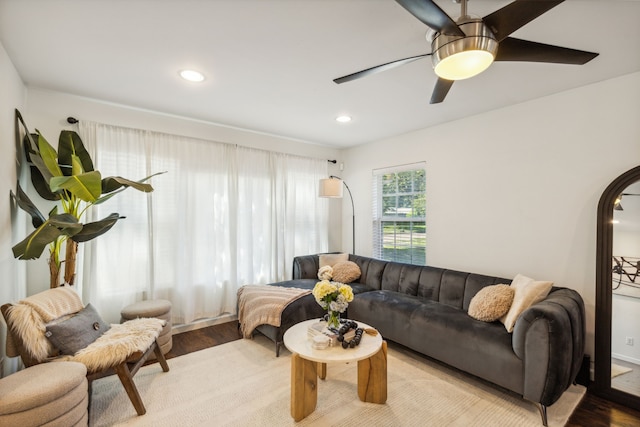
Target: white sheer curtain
221,217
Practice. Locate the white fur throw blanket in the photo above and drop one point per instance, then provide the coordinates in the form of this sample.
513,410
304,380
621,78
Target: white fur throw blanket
30,316
118,343
263,305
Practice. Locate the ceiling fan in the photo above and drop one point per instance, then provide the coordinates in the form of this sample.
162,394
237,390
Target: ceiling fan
466,47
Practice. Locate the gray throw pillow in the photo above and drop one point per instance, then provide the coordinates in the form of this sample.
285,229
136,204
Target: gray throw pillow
77,332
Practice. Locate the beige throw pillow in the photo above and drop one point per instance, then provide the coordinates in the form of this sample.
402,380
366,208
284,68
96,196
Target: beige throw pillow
331,259
346,271
527,293
491,302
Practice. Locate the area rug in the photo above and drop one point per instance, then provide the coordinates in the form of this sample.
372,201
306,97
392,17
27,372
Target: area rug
617,370
242,383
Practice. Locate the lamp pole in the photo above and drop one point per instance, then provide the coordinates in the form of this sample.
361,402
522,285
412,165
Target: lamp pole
353,215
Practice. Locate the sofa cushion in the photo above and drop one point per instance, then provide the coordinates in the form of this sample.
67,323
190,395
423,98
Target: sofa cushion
527,293
325,272
431,328
346,272
491,303
332,259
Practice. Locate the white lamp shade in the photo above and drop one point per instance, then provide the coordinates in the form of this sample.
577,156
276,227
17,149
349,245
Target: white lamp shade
330,187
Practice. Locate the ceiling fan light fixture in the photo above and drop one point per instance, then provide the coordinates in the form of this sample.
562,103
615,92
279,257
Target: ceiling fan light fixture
458,58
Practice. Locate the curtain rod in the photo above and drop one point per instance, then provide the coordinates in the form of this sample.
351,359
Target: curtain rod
332,161
72,120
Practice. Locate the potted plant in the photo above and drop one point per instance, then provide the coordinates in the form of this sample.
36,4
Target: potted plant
67,176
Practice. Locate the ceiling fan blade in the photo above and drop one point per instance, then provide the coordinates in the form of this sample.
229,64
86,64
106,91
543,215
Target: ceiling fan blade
440,90
378,68
431,15
505,21
512,49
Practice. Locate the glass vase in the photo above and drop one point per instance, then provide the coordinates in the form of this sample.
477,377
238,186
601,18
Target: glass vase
333,321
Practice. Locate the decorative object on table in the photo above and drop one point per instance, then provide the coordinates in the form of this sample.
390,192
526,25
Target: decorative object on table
348,326
333,297
332,187
67,176
318,331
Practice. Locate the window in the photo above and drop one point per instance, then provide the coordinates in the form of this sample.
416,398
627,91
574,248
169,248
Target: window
399,227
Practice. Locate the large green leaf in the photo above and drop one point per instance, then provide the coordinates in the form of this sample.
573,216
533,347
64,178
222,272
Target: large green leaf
116,184
25,203
69,146
58,225
40,175
92,230
86,186
112,183
29,139
49,155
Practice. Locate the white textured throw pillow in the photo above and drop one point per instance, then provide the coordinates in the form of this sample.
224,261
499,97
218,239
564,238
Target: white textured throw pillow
332,259
527,293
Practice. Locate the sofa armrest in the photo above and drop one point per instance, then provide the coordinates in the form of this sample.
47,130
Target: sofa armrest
306,267
549,338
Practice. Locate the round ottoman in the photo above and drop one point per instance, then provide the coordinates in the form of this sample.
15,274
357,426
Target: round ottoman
158,308
54,393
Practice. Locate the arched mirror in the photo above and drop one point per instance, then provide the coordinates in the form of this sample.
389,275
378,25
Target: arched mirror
617,340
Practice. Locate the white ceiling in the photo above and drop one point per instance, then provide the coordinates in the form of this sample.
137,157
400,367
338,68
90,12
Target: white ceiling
270,63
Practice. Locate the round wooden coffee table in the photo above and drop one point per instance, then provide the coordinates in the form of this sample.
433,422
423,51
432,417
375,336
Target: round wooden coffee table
308,363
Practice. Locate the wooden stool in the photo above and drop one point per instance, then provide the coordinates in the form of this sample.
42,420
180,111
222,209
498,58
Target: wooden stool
52,394
158,308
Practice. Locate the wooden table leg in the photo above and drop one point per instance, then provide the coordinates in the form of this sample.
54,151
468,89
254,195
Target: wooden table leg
372,377
304,387
322,370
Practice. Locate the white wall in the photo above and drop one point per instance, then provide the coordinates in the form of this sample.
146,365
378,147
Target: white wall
12,282
514,190
48,111
625,320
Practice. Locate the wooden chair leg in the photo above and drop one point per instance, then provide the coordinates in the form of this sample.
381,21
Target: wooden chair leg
132,391
160,357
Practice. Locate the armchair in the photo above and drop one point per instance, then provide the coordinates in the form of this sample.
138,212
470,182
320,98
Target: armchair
123,348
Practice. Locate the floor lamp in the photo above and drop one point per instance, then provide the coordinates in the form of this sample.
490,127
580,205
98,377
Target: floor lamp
332,187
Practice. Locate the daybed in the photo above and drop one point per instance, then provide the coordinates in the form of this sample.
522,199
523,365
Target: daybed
425,309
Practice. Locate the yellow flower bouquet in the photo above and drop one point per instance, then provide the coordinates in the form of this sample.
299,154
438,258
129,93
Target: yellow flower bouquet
333,297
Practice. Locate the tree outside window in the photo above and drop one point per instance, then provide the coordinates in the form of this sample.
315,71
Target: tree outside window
399,216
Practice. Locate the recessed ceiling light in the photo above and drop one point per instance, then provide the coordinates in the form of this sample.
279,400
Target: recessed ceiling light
192,75
343,119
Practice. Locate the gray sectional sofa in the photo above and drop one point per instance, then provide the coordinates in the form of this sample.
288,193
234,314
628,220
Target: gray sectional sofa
425,309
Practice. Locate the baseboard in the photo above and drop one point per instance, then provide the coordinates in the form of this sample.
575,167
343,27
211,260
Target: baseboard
186,327
625,358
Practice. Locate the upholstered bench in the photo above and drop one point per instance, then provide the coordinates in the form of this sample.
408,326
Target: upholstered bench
158,308
52,394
